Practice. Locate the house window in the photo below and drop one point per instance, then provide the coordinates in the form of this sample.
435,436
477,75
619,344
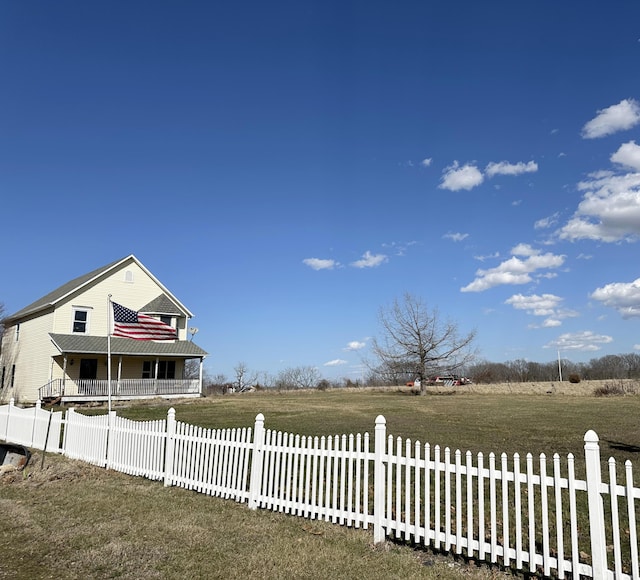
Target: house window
17,332
3,373
166,319
128,276
167,369
13,376
80,321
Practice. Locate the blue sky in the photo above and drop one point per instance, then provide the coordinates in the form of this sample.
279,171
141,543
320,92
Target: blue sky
288,168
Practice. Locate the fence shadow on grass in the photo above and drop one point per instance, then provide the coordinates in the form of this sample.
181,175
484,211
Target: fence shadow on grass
621,446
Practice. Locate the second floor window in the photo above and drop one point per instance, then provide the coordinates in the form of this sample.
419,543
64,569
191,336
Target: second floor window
80,321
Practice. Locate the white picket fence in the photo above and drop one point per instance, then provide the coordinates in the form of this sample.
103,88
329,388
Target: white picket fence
530,516
31,427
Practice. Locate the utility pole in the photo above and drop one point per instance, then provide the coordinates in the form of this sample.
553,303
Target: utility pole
559,366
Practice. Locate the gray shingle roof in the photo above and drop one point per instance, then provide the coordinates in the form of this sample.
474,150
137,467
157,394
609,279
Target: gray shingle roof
55,295
77,344
161,305
172,305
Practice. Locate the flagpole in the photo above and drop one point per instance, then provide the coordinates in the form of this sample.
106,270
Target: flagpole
109,315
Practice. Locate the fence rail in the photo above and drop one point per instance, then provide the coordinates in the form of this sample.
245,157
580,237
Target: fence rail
532,515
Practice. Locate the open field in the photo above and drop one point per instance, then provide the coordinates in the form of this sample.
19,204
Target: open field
72,520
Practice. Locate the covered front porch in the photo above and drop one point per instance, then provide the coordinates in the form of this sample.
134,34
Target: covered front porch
94,369
124,389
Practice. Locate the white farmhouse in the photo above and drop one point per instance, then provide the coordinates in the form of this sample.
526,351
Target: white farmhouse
56,348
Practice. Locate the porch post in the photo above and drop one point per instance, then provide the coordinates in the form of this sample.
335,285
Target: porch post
64,371
200,376
119,374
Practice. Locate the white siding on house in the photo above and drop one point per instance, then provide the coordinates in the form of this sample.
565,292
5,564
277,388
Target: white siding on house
133,295
32,356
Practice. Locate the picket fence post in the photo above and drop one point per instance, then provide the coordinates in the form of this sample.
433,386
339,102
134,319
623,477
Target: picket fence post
379,479
596,508
6,429
256,462
35,419
169,446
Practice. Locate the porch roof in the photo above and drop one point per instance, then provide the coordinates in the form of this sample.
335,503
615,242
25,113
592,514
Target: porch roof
76,344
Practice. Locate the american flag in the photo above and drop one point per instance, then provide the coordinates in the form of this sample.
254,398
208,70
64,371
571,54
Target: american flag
130,324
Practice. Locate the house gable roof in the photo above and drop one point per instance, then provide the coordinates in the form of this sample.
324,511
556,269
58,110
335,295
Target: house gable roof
161,305
54,297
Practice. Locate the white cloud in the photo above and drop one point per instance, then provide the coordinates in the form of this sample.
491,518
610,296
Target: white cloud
620,117
455,178
426,162
320,264
335,362
623,296
514,270
609,210
457,237
355,345
506,168
628,155
524,250
370,260
538,305
547,222
542,305
585,341
636,347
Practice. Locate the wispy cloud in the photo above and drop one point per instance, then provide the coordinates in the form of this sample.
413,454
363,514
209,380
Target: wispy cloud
320,264
514,270
336,362
426,162
623,296
455,237
370,260
547,222
488,257
506,168
585,341
620,117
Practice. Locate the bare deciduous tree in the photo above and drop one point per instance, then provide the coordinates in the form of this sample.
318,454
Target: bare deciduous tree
416,341
298,378
244,378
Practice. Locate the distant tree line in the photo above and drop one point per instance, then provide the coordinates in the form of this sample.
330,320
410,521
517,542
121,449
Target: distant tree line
612,366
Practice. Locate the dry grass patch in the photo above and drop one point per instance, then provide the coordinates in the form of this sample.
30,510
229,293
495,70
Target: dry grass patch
72,520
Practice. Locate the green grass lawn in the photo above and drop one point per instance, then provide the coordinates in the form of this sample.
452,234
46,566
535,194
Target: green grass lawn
488,423
72,520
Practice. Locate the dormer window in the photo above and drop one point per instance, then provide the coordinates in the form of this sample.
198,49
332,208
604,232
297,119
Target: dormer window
128,276
167,320
80,321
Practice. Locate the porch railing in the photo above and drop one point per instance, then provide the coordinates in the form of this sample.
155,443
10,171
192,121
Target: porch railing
92,388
